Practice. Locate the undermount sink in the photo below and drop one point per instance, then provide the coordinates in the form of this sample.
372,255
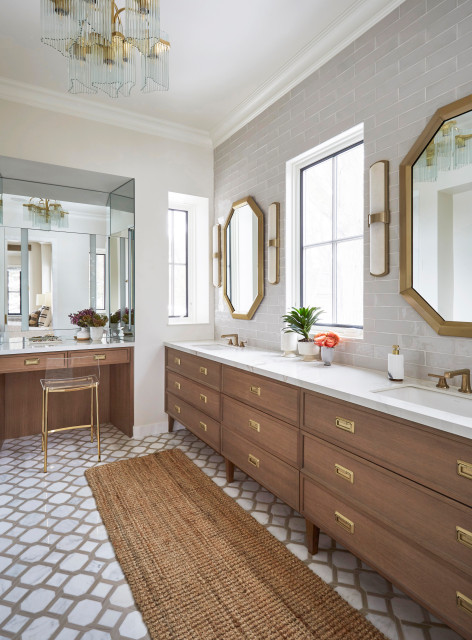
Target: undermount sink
213,347
442,400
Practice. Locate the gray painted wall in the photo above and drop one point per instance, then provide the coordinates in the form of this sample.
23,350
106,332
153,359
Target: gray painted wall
392,79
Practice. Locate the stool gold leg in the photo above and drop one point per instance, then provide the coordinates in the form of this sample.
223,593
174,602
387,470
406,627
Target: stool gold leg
91,414
42,424
46,432
98,425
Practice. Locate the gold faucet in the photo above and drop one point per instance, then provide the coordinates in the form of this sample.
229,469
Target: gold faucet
465,373
231,335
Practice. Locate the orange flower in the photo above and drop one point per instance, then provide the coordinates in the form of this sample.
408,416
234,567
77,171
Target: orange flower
328,339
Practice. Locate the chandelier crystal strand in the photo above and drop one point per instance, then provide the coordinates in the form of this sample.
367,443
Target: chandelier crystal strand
80,70
142,26
99,17
61,23
155,68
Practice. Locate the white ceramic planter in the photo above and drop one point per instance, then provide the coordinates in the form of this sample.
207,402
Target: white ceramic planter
308,350
288,344
327,355
96,333
83,333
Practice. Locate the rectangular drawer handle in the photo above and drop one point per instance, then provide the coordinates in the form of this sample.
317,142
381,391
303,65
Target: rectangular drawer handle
344,473
255,390
177,408
177,384
464,603
345,523
30,361
464,537
177,361
253,460
204,370
203,398
254,425
464,469
99,356
345,425
203,426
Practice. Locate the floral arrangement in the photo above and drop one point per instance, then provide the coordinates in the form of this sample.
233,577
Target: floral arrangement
327,339
88,318
116,317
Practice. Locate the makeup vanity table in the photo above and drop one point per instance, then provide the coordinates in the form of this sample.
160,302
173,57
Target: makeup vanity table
22,365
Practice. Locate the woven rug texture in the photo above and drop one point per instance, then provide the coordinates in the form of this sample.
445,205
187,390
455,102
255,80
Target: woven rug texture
200,567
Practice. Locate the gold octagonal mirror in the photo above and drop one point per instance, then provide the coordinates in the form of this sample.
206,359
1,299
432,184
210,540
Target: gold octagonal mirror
243,258
436,221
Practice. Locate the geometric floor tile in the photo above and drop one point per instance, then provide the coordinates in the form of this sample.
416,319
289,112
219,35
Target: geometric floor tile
59,578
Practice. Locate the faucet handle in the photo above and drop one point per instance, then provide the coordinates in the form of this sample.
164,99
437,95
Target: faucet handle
442,383
243,343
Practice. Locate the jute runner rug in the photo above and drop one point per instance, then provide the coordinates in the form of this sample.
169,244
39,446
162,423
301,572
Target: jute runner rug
201,568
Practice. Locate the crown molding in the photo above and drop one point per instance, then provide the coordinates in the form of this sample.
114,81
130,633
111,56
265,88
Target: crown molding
32,95
358,19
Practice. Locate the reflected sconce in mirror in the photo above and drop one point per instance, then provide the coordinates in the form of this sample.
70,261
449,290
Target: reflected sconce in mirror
216,255
273,244
379,218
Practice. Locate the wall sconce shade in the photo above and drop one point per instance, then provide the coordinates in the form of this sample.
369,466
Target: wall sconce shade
379,218
216,255
273,244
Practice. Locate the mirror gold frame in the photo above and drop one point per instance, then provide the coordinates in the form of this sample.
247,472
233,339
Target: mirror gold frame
441,326
260,257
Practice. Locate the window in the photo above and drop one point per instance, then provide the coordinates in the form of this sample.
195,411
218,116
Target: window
14,291
325,225
101,281
177,225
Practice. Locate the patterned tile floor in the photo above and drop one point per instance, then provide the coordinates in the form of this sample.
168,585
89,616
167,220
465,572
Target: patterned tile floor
59,578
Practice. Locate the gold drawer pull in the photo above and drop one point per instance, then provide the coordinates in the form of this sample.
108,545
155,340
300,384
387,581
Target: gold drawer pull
464,469
203,398
464,537
344,473
255,390
203,425
253,460
177,384
29,361
204,370
177,361
254,425
464,603
177,408
345,523
345,425
99,356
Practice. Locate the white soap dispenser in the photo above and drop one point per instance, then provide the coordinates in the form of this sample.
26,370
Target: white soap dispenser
395,367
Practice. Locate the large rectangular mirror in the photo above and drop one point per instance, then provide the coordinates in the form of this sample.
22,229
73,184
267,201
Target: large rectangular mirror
65,248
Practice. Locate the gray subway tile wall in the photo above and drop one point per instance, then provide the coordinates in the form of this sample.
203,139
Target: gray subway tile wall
392,78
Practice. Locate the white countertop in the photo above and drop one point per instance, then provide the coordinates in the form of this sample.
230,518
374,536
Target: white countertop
12,346
348,383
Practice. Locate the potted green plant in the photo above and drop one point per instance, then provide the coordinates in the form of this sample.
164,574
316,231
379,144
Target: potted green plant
300,321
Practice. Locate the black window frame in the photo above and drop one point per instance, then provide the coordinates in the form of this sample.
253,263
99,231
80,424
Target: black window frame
333,241
172,263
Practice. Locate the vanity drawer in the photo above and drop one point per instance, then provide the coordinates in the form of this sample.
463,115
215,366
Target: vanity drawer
441,462
201,397
199,369
432,521
272,473
278,399
428,580
104,357
197,422
32,362
271,434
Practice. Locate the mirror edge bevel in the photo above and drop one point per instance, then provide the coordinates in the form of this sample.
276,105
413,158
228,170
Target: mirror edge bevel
260,258
419,304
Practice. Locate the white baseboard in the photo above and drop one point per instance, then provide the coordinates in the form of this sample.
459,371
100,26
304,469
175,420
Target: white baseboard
156,428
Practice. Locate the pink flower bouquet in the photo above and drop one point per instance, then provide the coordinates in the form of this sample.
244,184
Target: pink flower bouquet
327,339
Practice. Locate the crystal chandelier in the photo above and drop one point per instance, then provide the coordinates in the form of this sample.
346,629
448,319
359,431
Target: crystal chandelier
104,44
450,149
42,212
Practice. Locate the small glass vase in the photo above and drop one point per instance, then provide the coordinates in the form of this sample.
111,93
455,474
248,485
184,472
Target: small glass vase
327,355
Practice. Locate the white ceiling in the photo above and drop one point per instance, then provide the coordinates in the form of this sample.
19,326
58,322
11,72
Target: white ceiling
228,60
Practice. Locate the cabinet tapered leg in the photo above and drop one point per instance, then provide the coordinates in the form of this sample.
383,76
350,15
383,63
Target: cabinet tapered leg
229,471
171,423
312,537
